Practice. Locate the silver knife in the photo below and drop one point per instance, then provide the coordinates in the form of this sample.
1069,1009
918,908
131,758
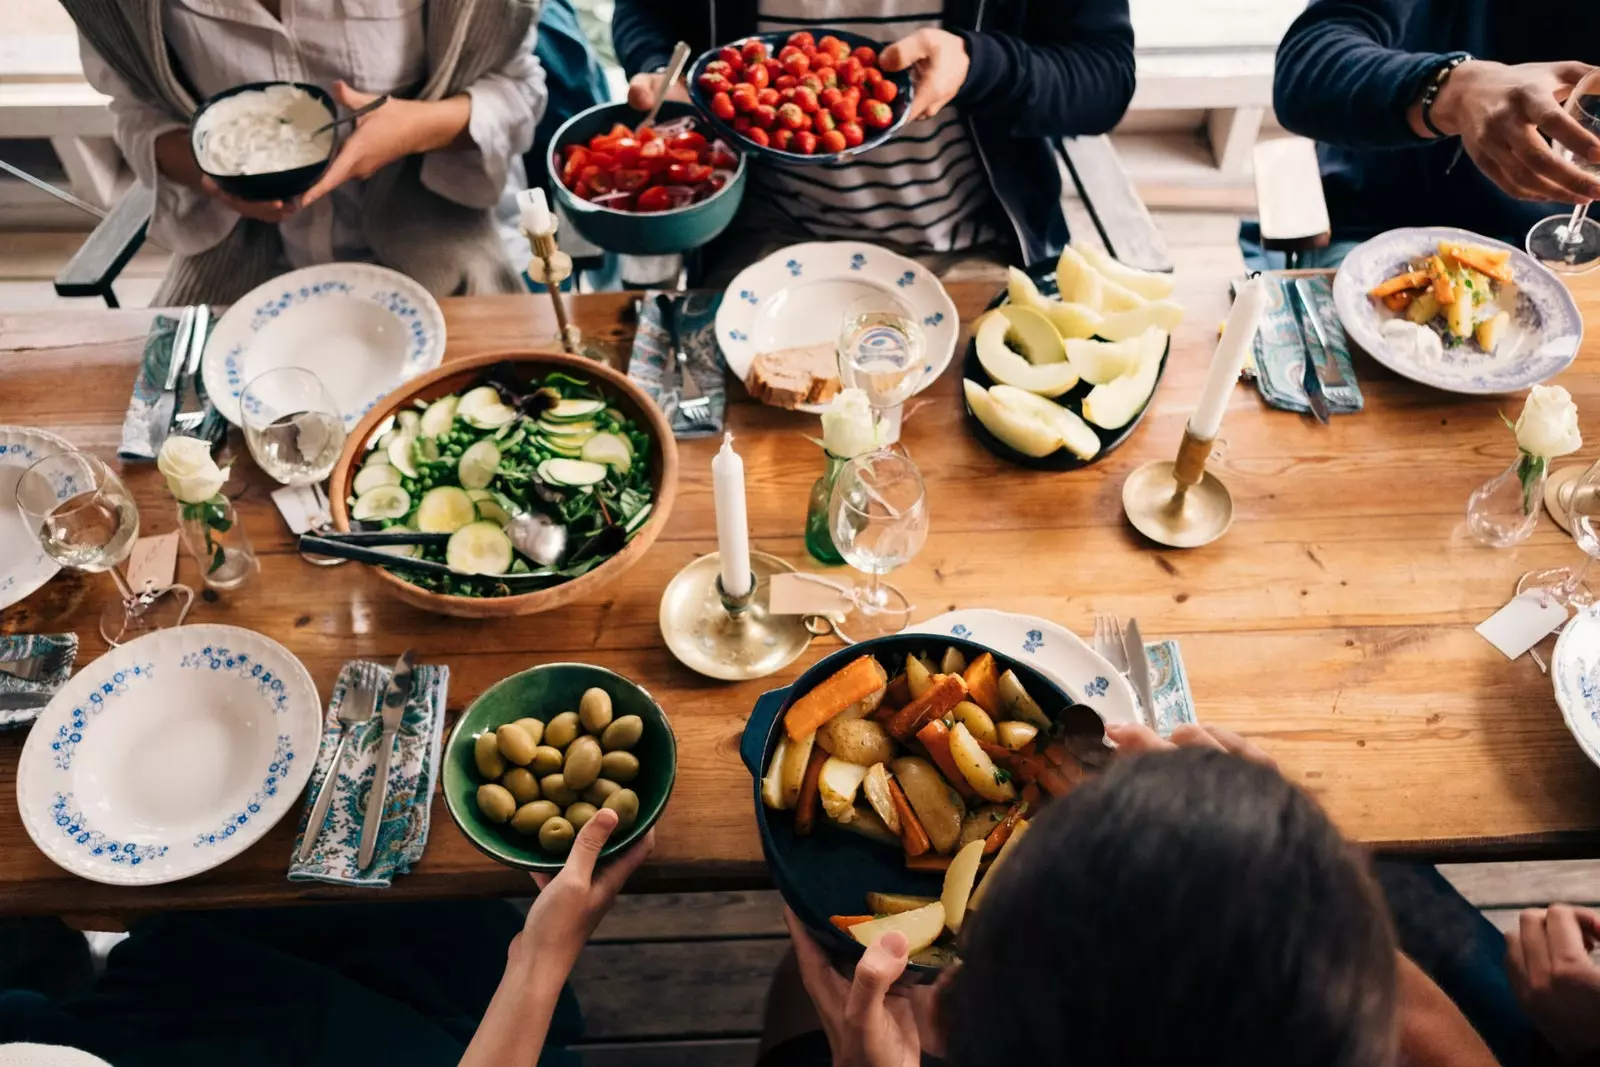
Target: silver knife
189,421
1329,372
1308,374
394,709
166,405
1139,670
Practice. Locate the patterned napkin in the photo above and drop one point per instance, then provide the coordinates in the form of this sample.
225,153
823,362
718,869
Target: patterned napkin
1174,704
412,772
1279,358
649,365
138,431
21,701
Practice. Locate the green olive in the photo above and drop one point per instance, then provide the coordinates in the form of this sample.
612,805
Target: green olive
515,744
547,760
583,763
562,729
522,784
622,734
535,728
580,813
619,766
496,802
530,817
486,754
554,787
603,787
595,710
625,802
556,835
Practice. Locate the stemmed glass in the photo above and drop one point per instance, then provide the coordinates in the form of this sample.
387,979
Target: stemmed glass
295,431
1569,585
881,353
879,517
1570,244
84,518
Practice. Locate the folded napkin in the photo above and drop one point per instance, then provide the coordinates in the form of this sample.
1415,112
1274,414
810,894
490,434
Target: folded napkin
1170,686
412,771
139,432
21,700
652,366
1280,357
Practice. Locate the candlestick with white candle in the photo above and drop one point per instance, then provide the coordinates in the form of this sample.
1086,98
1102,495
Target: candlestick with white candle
733,528
537,221
1238,335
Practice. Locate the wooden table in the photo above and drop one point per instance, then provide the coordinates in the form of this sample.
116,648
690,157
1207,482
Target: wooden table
1333,623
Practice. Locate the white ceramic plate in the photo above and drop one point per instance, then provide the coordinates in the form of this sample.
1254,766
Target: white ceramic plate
169,755
362,329
797,296
1541,342
1052,650
1575,673
24,566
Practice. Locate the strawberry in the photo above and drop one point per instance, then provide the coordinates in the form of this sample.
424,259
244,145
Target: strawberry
764,117
851,72
828,97
853,134
785,81
865,56
823,121
797,64
805,142
805,99
843,109
742,124
803,39
812,82
753,52
885,91
852,93
757,76
832,142
759,136
877,115
789,50
774,70
744,97
873,76
714,83
721,67
730,55
768,96
782,139
791,116
834,47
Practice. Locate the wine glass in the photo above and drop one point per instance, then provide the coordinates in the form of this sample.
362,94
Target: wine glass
292,425
881,353
879,517
1568,585
84,518
1570,244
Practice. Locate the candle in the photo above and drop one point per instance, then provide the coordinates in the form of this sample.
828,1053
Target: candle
1238,335
733,530
536,217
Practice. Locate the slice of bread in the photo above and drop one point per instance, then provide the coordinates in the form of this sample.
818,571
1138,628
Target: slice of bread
789,377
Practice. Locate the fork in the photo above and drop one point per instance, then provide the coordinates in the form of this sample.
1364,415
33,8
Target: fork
355,709
189,421
1108,641
693,404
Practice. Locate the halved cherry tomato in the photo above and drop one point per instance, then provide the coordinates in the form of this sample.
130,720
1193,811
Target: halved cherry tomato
721,158
689,141
655,198
602,182
688,173
631,179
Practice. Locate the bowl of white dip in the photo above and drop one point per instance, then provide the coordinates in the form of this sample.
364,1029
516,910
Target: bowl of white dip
256,141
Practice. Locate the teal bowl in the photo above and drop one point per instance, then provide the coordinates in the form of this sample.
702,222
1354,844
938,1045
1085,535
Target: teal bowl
655,233
542,693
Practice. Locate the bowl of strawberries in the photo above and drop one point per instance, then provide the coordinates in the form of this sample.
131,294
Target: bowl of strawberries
802,97
646,190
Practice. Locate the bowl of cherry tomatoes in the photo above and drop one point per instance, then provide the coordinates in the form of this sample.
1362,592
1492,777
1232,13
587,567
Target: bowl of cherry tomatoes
645,191
802,97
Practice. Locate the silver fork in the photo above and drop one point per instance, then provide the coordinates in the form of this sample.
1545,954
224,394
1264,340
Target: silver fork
693,404
1108,641
188,421
355,709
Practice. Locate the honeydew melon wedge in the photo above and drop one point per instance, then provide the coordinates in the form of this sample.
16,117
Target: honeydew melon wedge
1032,334
1099,362
1122,325
1113,405
1022,291
1080,283
1148,284
1009,368
1030,436
1073,320
1079,439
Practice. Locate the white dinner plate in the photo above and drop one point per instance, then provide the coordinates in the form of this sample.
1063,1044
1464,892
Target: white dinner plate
1575,673
24,566
797,296
169,755
362,329
1541,342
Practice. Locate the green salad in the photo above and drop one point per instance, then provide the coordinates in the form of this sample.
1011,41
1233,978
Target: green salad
542,486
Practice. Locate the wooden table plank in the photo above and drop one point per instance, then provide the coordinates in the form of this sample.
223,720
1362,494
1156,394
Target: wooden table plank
1333,622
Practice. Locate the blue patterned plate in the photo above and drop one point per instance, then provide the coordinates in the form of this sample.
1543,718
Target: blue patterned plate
1541,342
1575,672
362,329
24,566
797,296
169,755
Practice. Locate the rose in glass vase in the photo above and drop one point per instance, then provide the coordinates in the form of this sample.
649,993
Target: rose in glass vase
210,527
1505,509
849,429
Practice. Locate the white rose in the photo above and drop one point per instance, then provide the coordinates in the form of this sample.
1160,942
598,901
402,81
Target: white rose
1548,425
848,428
191,473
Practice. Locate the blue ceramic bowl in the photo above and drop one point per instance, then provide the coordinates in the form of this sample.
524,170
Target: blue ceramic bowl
831,871
654,233
277,185
900,107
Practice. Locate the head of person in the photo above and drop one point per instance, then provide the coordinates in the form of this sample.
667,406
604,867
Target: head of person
1187,907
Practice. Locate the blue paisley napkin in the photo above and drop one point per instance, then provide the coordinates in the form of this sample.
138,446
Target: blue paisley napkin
1280,359
412,771
697,329
20,700
1170,686
138,425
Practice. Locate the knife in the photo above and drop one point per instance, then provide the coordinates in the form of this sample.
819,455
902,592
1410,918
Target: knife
1329,374
394,709
190,421
1308,375
166,405
1139,671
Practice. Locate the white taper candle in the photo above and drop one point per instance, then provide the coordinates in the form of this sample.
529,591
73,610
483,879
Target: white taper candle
1238,335
733,526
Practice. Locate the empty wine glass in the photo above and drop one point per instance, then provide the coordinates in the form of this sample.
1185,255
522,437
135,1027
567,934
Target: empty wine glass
1569,585
292,425
881,353
879,518
84,518
1570,244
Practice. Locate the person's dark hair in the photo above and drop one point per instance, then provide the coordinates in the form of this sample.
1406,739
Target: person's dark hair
1186,909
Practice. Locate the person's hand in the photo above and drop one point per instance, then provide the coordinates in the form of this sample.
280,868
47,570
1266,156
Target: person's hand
868,1023
1499,111
938,61
642,90
1554,977
398,129
175,159
1134,740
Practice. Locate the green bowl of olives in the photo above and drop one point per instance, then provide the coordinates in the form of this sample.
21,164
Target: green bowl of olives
533,758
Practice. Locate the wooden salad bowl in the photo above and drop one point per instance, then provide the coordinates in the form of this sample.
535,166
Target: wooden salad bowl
455,376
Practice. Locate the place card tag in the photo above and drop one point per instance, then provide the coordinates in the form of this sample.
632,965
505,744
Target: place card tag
153,560
300,508
1523,623
806,594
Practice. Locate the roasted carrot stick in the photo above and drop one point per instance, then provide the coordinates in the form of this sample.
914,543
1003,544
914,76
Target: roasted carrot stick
845,922
899,694
912,835
1031,794
935,737
1398,302
930,862
805,809
983,683
1415,279
947,691
857,681
998,835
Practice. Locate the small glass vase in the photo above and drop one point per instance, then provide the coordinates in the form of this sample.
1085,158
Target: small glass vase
819,538
1504,510
217,540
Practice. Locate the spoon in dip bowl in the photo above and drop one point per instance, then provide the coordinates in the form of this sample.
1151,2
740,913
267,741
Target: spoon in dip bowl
365,109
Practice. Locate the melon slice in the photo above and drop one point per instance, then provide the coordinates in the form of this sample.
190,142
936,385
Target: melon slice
1030,436
1078,282
1076,434
1122,325
1148,284
1074,320
1032,334
1113,405
1007,367
1099,362
1022,291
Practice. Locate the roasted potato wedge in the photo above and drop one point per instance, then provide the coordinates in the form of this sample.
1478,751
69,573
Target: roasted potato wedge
1015,735
921,927
958,883
999,858
987,780
861,708
838,785
794,767
977,825
977,720
867,824
953,662
875,787
918,676
772,781
938,807
895,903
857,741
1019,703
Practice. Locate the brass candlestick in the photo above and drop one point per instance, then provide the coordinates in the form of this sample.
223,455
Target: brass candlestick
1179,503
726,637
550,267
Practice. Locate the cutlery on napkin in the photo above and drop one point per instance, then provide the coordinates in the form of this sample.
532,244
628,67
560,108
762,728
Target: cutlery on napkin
1283,351
652,365
151,409
32,668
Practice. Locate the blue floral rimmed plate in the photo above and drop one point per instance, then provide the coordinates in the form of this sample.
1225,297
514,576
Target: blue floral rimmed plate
24,566
1575,673
169,755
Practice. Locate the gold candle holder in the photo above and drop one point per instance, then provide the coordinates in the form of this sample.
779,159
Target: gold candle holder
726,637
550,268
1178,503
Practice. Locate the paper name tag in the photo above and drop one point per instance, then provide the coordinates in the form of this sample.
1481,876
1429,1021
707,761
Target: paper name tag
1523,623
153,560
300,508
806,594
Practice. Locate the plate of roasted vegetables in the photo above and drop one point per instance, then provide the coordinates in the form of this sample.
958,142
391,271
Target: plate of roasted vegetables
1457,311
895,776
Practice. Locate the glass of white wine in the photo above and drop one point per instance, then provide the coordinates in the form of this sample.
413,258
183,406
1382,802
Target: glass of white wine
879,518
84,518
1570,243
881,352
292,425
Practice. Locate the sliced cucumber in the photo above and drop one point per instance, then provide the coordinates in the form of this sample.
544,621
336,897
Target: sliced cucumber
409,422
481,407
573,410
572,472
385,438
638,519
376,458
440,416
425,450
491,511
479,548
478,465
400,456
369,478
407,551
581,426
494,418
445,510
609,449
567,451
381,502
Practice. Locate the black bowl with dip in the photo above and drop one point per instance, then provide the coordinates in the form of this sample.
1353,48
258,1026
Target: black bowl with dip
268,185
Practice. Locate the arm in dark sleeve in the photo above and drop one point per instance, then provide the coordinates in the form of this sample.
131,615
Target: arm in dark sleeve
1073,74
1343,78
642,34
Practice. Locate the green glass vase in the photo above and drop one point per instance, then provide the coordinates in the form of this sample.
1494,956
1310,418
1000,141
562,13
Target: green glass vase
819,538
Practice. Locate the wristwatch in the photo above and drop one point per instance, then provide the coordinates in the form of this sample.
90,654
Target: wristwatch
1436,80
